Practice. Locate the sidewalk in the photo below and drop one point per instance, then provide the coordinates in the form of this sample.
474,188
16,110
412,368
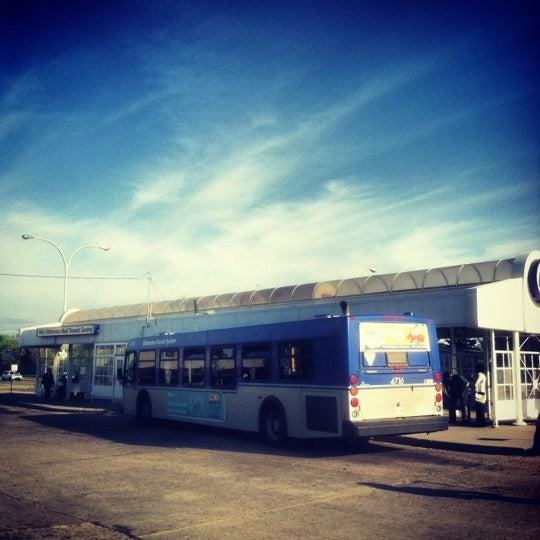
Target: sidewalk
31,401
507,439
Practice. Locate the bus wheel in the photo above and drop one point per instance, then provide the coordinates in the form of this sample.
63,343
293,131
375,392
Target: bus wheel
359,443
144,411
273,425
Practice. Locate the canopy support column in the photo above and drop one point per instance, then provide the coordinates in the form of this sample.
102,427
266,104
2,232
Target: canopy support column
493,386
516,372
453,361
69,371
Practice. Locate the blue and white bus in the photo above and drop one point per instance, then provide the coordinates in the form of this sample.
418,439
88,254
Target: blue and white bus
352,377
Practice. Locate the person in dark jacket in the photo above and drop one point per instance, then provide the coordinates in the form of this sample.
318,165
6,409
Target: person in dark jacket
458,397
48,382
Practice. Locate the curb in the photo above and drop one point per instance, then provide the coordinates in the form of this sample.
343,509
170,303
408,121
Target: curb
63,409
456,446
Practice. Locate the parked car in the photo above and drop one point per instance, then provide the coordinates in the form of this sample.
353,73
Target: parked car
8,376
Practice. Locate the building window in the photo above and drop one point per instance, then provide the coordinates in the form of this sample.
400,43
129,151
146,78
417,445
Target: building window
103,365
193,366
256,362
168,367
146,368
296,360
222,367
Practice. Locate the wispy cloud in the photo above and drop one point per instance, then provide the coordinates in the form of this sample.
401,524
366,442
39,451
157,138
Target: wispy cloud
159,189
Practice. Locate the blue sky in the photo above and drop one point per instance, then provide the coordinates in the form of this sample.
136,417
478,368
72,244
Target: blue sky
223,146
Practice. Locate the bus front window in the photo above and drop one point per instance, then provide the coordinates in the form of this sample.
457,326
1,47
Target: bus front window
129,369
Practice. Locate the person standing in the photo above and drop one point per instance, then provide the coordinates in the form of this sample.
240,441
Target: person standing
48,382
457,393
480,395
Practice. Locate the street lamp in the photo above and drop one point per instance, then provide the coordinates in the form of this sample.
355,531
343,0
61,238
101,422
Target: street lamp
64,260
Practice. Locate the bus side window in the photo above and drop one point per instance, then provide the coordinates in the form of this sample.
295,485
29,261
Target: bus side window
193,366
222,367
296,360
129,369
256,362
168,367
146,369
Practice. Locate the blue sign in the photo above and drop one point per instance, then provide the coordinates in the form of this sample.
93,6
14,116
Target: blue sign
202,404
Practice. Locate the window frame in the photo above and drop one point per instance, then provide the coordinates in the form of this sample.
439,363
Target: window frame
132,379
202,384
234,364
307,352
153,380
160,371
268,346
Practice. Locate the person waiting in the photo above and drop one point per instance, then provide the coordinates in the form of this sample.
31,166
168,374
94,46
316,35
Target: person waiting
458,397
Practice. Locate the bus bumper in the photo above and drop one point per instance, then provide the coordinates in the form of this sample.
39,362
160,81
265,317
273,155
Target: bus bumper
395,426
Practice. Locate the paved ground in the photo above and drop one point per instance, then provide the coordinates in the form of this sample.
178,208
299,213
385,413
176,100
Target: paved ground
93,474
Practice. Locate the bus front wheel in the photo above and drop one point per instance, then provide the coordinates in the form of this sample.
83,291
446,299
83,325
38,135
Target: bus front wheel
273,425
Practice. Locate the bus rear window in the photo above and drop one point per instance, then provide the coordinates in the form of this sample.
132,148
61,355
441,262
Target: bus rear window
394,359
397,359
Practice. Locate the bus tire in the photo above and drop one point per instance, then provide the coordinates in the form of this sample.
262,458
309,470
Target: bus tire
144,410
273,424
359,443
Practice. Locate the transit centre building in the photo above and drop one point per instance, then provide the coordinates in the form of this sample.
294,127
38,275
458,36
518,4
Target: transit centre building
486,312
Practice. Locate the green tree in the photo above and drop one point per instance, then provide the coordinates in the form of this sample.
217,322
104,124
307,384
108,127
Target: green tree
9,352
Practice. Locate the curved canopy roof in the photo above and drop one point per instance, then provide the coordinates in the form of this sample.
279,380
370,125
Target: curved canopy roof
448,276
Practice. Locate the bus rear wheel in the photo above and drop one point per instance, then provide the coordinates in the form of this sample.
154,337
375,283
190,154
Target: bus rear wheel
273,426
144,411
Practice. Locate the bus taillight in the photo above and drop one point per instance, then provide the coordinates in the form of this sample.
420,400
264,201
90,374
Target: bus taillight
438,387
438,398
353,379
354,402
438,377
353,390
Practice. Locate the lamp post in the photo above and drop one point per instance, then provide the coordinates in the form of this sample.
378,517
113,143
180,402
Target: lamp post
64,260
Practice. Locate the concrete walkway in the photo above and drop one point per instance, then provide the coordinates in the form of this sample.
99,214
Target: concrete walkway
506,439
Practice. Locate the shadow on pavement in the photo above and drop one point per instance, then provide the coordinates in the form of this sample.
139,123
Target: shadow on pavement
171,434
452,493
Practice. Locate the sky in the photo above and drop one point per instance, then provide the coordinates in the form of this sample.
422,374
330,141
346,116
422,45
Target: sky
228,146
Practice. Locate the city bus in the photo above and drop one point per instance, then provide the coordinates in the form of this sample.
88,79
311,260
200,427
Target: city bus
350,377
